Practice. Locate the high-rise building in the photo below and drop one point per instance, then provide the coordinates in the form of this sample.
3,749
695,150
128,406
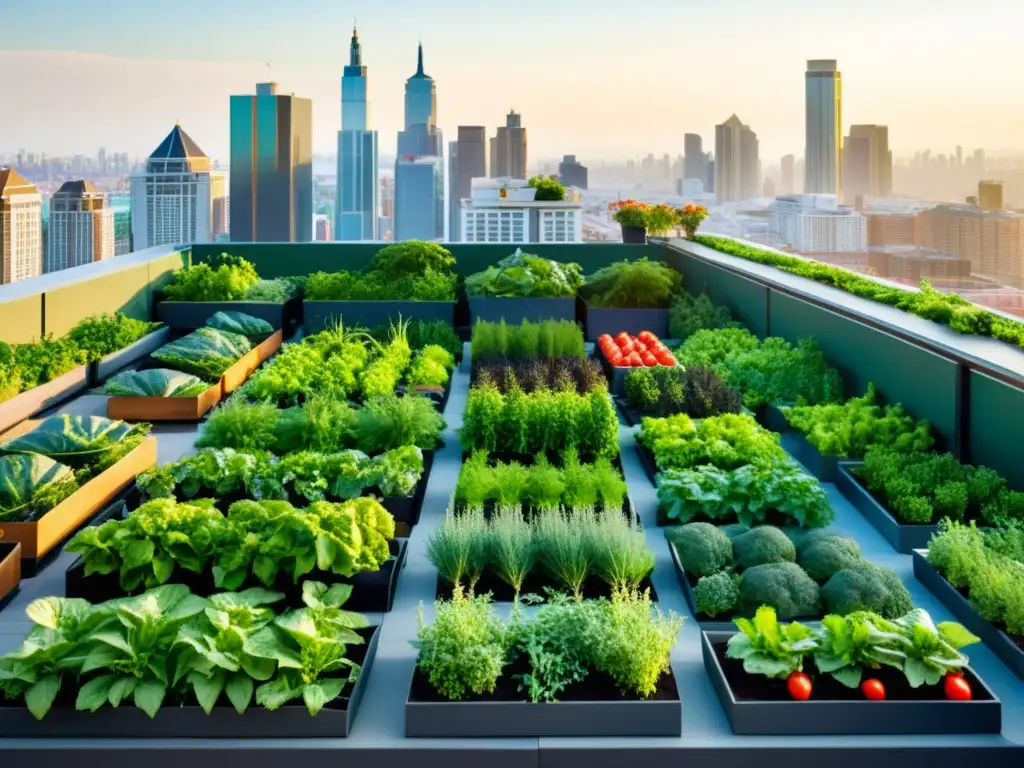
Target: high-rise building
81,227
990,195
467,160
695,161
709,176
824,115
21,228
867,163
271,167
357,199
174,199
788,163
419,207
737,164
572,173
510,145
817,224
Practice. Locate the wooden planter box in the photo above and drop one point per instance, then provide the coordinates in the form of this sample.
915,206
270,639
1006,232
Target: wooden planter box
163,408
236,375
189,315
514,311
27,404
317,314
904,537
599,320
57,525
10,571
117,361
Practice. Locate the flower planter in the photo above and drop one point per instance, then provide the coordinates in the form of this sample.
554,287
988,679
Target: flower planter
506,714
904,537
634,235
292,721
825,468
236,375
599,320
706,623
757,706
10,571
372,591
189,315
318,314
56,526
27,404
515,311
116,361
1009,650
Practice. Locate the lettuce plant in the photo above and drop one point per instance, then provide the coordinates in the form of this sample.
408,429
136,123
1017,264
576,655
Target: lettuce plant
240,323
205,352
102,335
31,485
769,648
155,382
523,275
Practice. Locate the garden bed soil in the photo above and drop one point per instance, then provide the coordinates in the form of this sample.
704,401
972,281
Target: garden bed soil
236,375
56,526
291,721
150,409
1009,649
600,320
825,468
22,406
10,571
593,707
515,310
904,537
317,314
103,369
756,705
190,315
372,592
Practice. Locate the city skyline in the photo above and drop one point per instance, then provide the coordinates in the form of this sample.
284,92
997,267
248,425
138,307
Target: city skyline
201,71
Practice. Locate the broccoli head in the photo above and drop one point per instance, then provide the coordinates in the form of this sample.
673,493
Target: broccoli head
825,555
716,594
732,530
703,549
764,544
784,586
867,587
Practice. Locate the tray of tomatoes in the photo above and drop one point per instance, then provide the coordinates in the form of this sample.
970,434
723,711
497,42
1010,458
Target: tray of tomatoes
628,351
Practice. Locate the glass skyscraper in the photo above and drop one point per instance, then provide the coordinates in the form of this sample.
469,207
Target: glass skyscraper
358,193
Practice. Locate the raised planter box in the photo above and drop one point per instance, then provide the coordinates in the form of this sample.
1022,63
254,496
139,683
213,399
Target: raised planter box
235,376
706,623
163,408
317,314
189,315
647,462
772,418
1011,653
56,526
372,592
406,509
614,321
903,537
291,721
514,311
631,417
851,717
616,374
428,716
825,468
10,571
15,410
117,361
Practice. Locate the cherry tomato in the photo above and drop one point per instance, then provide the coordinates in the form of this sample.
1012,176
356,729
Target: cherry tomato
627,348
623,338
666,358
649,360
799,686
635,360
957,688
640,346
604,338
873,689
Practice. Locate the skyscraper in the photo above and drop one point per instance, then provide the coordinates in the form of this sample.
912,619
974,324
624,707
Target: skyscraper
695,162
419,207
572,173
467,160
271,167
21,228
867,163
81,227
824,113
173,201
737,161
358,194
788,177
510,159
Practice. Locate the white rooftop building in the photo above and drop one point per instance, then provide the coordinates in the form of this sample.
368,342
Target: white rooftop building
817,224
506,211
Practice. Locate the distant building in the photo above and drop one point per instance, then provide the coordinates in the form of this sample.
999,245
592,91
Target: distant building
173,201
888,229
817,224
81,227
467,160
788,177
357,198
690,188
322,228
572,173
271,167
737,165
419,198
21,228
867,163
709,179
510,159
993,241
504,211
990,195
694,160
824,126
916,264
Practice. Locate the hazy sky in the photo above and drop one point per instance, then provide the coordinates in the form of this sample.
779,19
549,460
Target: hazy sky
598,78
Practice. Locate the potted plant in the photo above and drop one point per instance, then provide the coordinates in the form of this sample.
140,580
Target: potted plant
631,296
661,219
549,189
524,287
690,217
632,216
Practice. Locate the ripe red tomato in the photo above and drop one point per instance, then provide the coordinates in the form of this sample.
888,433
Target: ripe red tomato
645,335
665,358
799,686
604,338
957,689
649,360
627,348
639,346
635,360
615,358
873,689
623,338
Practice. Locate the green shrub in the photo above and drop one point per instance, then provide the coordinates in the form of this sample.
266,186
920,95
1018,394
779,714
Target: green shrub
690,314
698,392
228,278
640,284
411,257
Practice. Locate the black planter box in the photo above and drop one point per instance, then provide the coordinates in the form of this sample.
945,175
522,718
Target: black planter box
749,717
406,509
616,374
317,314
117,361
706,623
647,462
537,583
291,721
904,537
631,417
614,321
515,311
634,235
1000,643
189,315
772,418
27,404
430,718
825,468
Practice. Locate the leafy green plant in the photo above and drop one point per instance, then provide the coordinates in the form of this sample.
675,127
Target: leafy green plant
206,352
41,362
272,291
377,286
712,348
769,648
548,188
727,441
530,374
154,382
698,392
431,367
226,280
640,284
689,314
240,323
777,372
31,485
411,257
102,335
523,275
546,339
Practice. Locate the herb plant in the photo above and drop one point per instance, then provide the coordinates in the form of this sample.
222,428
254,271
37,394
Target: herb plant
698,392
728,441
546,339
640,284
227,279
102,335
690,314
581,375
523,275
777,372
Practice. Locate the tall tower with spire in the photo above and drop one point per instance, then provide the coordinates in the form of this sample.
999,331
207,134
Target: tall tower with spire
419,169
358,194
